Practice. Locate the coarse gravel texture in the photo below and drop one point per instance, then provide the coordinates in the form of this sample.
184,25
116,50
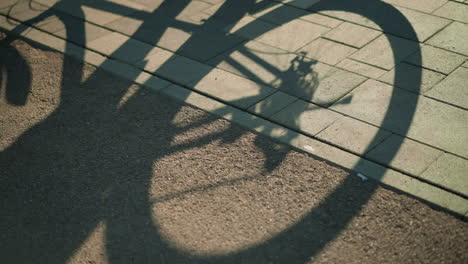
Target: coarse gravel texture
95,169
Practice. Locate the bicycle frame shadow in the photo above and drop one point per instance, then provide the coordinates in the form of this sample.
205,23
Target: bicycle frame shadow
62,205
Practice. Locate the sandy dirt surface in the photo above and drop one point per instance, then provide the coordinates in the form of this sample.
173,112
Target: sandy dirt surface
95,169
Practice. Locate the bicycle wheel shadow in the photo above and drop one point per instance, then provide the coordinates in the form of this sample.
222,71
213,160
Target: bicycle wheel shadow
90,162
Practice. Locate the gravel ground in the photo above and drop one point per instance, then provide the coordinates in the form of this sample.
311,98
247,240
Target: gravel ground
95,169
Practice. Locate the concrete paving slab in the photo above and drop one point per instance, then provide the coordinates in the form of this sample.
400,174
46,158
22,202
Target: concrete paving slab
353,135
154,59
437,59
7,23
441,125
12,7
449,171
277,13
434,123
386,176
452,89
131,4
53,25
304,4
293,35
45,39
452,38
224,12
172,38
425,25
121,47
227,112
134,75
185,95
424,191
91,32
6,5
256,61
46,2
190,9
392,178
328,8
231,88
205,43
352,34
128,26
121,69
24,12
50,24
327,51
412,157
249,27
320,19
297,76
175,68
305,117
454,11
200,19
193,13
361,68
151,81
427,6
379,52
323,86
108,44
86,55
272,104
94,13
428,78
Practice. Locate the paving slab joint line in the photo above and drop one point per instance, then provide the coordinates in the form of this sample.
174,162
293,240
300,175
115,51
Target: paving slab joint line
441,154
367,63
444,102
345,44
438,31
253,115
346,94
381,142
426,68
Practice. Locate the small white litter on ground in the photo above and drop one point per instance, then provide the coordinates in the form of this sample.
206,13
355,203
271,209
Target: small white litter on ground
360,175
309,148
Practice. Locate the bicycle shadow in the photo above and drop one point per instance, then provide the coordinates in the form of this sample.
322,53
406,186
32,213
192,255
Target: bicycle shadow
104,151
